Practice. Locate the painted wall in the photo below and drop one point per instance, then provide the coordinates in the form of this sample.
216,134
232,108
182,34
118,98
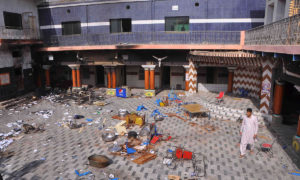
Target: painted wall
249,79
208,16
92,79
22,7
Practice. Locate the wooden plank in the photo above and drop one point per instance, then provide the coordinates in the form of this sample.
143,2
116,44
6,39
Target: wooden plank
144,158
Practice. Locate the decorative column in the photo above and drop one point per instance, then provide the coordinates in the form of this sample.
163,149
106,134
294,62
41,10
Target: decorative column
78,77
186,68
74,68
108,72
111,80
74,78
267,66
278,97
146,78
47,75
192,78
113,74
152,78
230,79
149,90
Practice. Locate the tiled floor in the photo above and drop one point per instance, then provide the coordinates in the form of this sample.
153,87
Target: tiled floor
59,151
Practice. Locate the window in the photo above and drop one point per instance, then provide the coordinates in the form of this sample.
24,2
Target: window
70,28
12,20
141,74
120,25
177,24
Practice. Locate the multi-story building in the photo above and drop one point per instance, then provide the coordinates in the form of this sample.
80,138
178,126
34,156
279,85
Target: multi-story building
18,33
279,9
112,43
279,42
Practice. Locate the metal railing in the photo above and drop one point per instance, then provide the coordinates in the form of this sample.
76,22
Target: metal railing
25,33
199,37
282,32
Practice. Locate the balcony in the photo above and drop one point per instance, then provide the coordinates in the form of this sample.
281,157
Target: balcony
138,38
19,34
283,32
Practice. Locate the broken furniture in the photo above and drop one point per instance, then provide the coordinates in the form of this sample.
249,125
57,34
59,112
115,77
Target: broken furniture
267,149
193,109
133,118
220,97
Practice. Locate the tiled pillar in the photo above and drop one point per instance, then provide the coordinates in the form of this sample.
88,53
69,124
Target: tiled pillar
152,78
146,78
47,75
75,76
108,72
278,97
186,67
230,79
113,74
149,69
78,77
192,78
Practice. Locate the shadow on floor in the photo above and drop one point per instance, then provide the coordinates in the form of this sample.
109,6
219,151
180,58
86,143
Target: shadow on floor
25,170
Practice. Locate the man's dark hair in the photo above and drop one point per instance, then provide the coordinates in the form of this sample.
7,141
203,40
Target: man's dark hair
249,110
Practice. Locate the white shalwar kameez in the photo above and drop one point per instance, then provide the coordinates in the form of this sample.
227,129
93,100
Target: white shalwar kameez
249,128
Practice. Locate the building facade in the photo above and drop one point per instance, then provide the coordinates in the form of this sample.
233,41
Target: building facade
18,32
113,42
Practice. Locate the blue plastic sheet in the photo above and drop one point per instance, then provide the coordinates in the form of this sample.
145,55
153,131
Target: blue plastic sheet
82,174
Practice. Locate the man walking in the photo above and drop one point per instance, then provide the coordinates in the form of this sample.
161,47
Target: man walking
248,132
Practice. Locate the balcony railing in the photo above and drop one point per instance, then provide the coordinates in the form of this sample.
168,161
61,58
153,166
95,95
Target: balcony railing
283,32
208,37
25,33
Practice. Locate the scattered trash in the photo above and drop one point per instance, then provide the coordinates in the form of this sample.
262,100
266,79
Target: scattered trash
99,161
31,129
82,174
145,158
78,117
89,120
109,135
141,107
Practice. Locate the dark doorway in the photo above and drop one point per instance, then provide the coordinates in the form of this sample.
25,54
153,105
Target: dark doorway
19,78
210,75
291,104
100,76
166,77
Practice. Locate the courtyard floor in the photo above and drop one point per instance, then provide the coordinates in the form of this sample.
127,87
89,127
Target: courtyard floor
58,151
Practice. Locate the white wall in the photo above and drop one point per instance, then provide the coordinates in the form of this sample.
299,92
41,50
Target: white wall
133,80
177,79
276,10
17,6
26,58
5,57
